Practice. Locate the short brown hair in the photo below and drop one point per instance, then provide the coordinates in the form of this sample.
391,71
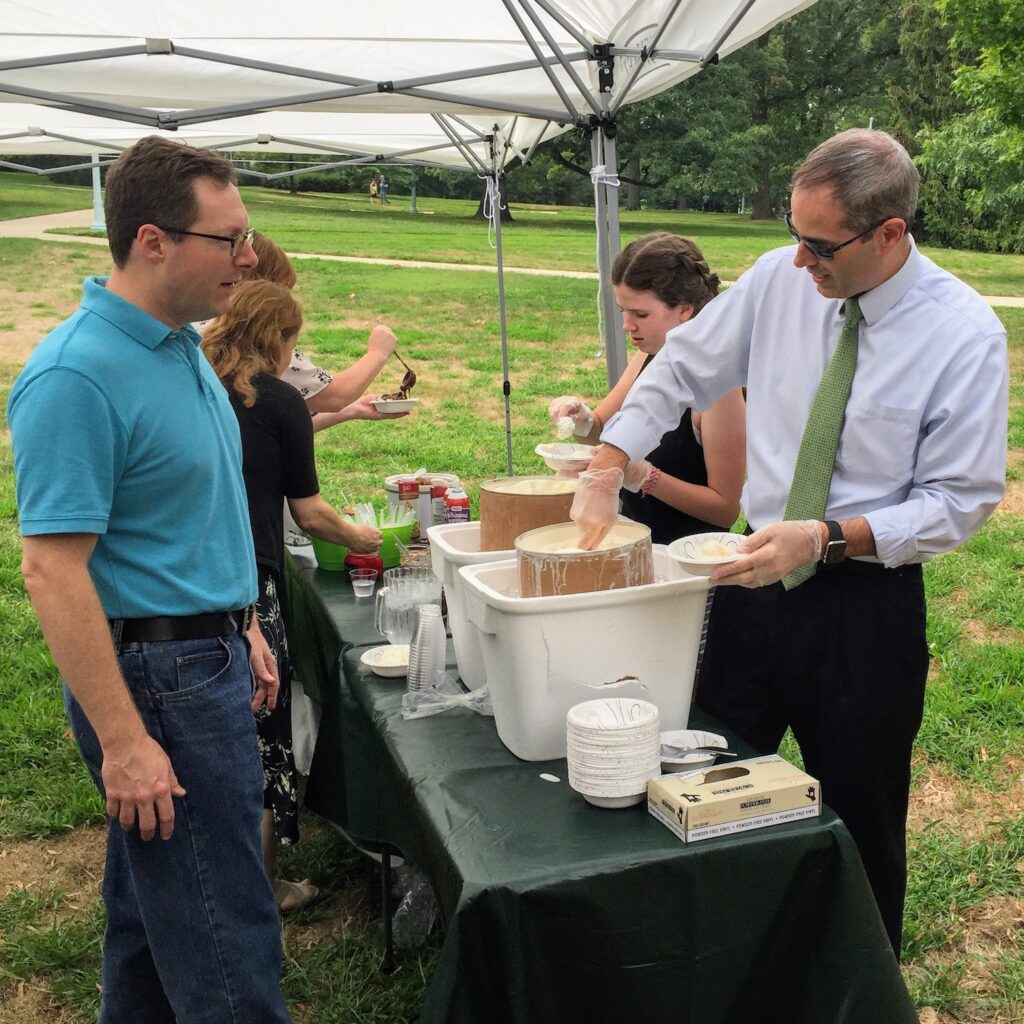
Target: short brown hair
152,183
273,265
247,339
870,174
672,267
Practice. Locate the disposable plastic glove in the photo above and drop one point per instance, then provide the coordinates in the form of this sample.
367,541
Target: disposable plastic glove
635,475
768,554
595,506
573,409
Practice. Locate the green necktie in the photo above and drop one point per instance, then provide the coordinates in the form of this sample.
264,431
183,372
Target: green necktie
812,476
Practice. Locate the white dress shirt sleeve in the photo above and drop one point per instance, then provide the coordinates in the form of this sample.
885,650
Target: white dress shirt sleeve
701,360
960,470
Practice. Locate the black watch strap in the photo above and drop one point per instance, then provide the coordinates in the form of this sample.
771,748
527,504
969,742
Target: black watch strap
835,549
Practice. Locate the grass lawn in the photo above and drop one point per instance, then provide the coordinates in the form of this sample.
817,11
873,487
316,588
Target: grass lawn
965,913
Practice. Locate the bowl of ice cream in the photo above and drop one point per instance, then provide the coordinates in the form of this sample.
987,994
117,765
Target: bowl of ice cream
701,552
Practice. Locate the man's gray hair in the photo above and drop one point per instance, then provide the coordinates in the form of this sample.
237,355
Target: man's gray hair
870,173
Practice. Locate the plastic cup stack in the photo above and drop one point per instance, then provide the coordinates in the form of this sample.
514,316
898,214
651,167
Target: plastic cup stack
613,748
427,653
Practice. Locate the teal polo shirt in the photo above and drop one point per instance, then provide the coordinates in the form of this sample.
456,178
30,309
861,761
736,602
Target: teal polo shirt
121,428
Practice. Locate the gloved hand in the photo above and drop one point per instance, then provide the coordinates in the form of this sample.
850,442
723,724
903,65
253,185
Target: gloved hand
567,407
595,506
635,475
768,554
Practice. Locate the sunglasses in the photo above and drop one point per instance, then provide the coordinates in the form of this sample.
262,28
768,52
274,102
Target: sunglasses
820,250
237,242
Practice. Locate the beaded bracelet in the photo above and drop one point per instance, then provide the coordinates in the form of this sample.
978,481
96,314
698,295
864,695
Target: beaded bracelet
652,478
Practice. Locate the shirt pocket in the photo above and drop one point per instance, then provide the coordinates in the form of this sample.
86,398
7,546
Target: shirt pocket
878,446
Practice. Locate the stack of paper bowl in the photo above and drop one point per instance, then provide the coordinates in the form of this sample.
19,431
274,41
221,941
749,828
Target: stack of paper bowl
613,747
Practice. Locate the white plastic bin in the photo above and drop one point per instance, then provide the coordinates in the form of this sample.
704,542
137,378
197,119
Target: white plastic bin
542,655
451,547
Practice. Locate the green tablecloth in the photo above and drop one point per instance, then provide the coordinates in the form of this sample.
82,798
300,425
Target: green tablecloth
560,912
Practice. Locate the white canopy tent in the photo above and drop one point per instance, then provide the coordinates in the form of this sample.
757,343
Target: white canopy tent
464,84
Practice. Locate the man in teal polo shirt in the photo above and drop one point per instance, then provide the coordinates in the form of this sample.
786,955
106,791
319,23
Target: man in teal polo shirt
138,560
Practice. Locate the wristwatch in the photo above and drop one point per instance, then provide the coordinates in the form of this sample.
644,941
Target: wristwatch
835,549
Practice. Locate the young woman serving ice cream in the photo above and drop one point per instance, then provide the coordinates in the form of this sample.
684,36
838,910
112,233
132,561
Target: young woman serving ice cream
691,482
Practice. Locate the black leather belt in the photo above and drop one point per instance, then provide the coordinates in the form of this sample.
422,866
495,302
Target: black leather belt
181,627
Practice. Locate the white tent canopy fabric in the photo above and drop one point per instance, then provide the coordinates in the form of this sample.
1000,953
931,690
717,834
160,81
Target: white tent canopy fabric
321,73
464,84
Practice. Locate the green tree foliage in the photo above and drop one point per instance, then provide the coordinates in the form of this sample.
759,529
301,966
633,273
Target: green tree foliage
973,162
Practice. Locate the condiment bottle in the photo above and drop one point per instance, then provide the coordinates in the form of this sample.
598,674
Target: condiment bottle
438,514
409,497
456,505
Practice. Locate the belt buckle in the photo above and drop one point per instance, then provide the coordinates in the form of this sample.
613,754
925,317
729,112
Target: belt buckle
248,614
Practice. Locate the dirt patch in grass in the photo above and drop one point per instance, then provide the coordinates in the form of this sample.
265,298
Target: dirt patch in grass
72,862
940,796
24,1003
1013,500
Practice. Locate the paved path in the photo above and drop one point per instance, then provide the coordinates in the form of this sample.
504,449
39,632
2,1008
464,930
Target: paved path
37,227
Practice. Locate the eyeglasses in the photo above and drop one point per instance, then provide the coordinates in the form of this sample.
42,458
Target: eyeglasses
820,250
237,242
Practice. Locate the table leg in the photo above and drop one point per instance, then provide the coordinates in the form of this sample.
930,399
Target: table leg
388,964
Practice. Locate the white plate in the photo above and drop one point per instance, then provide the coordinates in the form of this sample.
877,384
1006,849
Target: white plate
566,456
690,738
391,660
689,552
616,801
395,404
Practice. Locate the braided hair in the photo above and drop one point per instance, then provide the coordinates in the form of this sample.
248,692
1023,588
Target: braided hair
671,267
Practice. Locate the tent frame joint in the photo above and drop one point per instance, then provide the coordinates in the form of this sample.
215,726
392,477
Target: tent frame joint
605,67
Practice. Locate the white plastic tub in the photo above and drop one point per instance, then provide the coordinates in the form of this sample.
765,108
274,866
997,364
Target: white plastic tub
542,655
451,547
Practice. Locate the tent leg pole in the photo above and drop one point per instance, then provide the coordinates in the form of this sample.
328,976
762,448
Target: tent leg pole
506,385
615,345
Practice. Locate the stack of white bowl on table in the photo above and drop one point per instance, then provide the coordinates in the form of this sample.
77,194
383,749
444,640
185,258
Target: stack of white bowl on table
613,747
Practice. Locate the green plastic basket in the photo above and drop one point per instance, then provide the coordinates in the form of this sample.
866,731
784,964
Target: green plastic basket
329,556
389,552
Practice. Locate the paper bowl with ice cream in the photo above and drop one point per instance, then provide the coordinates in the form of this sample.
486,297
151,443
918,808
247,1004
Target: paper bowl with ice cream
701,552
564,456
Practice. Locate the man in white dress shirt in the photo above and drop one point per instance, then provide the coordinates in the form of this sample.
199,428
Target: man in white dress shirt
920,465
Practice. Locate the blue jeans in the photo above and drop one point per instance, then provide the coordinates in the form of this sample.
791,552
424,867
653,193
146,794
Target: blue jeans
192,932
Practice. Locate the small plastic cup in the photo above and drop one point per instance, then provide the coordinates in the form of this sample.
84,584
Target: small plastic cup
363,581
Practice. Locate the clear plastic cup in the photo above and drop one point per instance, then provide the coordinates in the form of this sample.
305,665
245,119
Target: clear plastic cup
363,581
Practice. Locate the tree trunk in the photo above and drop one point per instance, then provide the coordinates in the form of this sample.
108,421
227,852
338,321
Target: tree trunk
506,213
632,189
761,207
682,203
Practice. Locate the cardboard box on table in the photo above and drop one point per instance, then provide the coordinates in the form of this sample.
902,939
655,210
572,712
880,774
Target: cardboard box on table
733,797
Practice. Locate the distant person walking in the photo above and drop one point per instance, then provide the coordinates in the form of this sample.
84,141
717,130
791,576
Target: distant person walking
383,190
373,191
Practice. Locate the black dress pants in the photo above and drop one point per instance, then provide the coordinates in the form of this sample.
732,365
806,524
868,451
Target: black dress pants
842,660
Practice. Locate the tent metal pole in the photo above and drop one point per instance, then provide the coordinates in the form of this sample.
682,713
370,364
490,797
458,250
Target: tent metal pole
614,341
506,385
325,76
727,29
557,15
531,42
71,58
670,14
553,46
472,129
99,222
468,155
115,111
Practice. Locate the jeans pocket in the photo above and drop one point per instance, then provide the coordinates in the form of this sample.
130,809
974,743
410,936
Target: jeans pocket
198,671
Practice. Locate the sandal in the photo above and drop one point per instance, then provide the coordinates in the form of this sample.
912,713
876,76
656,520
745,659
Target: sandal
292,896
